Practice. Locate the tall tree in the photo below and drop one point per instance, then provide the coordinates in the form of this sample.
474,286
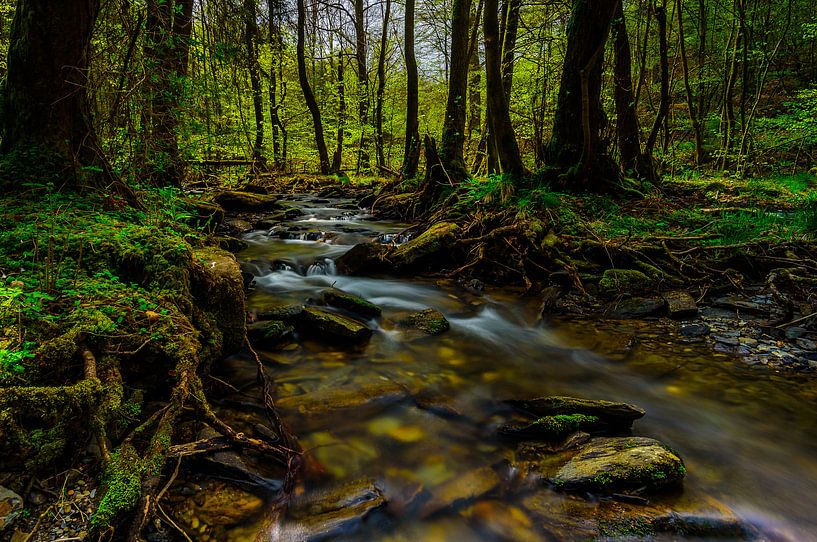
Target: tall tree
277,88
576,144
381,85
499,114
337,157
251,45
306,88
363,82
46,119
411,156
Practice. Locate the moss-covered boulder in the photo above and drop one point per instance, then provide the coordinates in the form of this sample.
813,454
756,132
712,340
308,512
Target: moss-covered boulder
433,246
551,428
613,414
624,281
609,465
238,202
331,326
269,333
430,321
218,287
350,302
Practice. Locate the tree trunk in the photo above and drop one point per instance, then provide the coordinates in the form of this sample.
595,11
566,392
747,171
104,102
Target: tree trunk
275,75
251,42
381,85
660,13
309,97
579,119
474,84
46,122
500,118
411,156
362,83
510,27
627,131
693,113
337,158
451,151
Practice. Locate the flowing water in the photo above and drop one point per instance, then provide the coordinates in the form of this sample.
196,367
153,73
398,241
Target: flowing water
746,435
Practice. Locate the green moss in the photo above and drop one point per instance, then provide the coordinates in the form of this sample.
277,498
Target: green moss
629,527
562,425
429,321
122,481
621,281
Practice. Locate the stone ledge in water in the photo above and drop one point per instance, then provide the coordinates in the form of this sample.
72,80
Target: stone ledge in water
285,313
619,415
430,321
236,201
350,302
636,308
434,244
624,281
326,325
552,428
362,258
269,332
608,465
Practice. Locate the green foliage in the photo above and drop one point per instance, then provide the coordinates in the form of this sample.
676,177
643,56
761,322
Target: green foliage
122,479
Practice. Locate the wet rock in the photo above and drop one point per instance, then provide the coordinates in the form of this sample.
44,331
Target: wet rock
362,259
332,326
624,281
460,489
218,286
618,415
742,304
680,305
694,331
636,307
698,526
221,503
284,313
229,465
238,226
552,428
269,332
11,505
535,450
432,246
609,465
288,213
330,513
349,302
235,201
503,521
795,332
428,321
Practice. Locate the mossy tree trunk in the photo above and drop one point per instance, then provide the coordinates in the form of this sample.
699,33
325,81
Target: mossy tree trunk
46,123
576,144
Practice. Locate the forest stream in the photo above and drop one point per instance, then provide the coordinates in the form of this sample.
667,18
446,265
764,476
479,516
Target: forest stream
410,419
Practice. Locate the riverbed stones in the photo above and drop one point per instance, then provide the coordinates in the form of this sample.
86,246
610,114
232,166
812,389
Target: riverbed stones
680,305
237,202
330,512
461,489
636,308
608,465
285,313
429,321
433,245
11,505
613,414
269,332
332,327
321,402
350,302
362,259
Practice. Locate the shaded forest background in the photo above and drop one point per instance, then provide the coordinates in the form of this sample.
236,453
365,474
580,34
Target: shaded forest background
717,85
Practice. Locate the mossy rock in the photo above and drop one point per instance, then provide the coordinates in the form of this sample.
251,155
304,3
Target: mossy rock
238,202
350,302
620,415
269,332
624,281
285,313
332,326
609,465
430,321
552,428
218,287
204,214
432,246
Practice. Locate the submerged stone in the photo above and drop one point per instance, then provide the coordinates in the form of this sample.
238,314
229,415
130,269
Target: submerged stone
269,332
460,489
285,313
636,307
608,465
332,326
430,321
620,415
350,302
324,401
236,201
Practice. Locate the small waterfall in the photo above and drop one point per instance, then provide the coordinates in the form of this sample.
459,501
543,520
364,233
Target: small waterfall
325,267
